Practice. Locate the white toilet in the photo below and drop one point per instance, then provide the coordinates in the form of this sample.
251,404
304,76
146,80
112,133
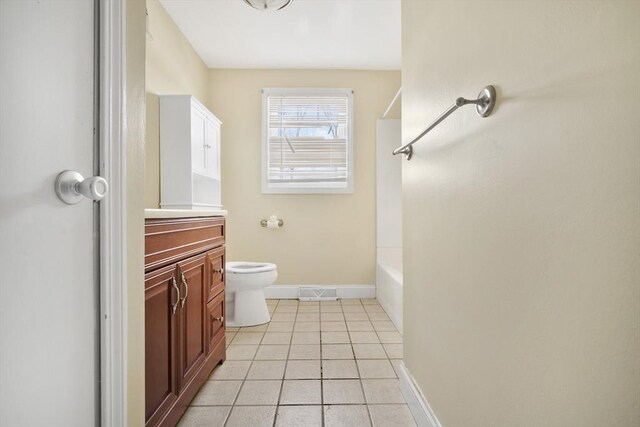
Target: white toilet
244,296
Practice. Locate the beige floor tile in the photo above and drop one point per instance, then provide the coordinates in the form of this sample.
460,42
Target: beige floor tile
353,308
308,317
232,329
231,370
384,326
288,302
304,351
307,327
375,369
254,416
364,337
396,366
309,309
276,338
241,351
286,309
369,351
283,317
337,351
229,335
350,301
301,392
346,416
248,338
204,416
369,301
391,416
378,316
382,391
364,326
280,327
217,393
331,309
267,370
306,338
302,370
342,392
298,416
394,351
332,317
390,337
272,302
333,326
309,304
257,328
259,393
329,303
272,352
339,369
356,316
335,338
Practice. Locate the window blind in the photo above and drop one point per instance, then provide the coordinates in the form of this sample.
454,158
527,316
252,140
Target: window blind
307,140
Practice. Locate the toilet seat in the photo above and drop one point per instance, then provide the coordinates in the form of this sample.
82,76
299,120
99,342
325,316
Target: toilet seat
242,267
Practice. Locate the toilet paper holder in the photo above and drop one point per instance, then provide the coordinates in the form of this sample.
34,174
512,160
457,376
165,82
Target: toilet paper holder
265,222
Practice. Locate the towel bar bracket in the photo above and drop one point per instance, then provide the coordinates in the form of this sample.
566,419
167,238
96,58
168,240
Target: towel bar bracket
484,106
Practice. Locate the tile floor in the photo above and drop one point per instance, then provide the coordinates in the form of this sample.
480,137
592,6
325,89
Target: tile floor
315,364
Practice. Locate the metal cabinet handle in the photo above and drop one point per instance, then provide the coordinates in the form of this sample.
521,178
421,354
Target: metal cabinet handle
218,270
186,289
219,319
174,307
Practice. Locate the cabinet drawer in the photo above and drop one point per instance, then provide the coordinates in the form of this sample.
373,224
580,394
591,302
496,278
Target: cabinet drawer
170,240
215,262
215,325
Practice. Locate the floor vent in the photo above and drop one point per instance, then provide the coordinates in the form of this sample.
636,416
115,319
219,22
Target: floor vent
317,293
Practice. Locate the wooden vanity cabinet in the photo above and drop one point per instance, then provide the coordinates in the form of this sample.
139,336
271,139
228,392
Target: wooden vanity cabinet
184,312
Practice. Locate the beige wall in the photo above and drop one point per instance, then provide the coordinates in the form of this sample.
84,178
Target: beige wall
173,68
522,275
326,239
135,107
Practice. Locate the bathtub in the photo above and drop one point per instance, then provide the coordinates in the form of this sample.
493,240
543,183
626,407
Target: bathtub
389,283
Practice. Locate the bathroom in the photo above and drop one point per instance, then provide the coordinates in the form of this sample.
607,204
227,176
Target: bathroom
327,242
487,274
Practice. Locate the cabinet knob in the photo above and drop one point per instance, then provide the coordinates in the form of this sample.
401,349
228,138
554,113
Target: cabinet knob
219,319
218,270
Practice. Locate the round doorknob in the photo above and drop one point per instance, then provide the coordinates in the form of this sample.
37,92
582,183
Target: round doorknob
71,187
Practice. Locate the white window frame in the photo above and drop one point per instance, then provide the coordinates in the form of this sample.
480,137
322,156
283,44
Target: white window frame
306,188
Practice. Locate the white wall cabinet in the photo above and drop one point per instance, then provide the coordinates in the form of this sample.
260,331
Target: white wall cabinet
189,154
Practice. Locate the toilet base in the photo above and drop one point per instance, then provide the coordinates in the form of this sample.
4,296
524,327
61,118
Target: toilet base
249,309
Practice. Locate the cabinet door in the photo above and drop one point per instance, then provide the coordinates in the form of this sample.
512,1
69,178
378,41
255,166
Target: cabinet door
215,325
192,317
212,152
215,262
198,142
161,387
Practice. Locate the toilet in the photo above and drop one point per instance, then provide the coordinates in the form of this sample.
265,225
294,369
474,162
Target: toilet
244,292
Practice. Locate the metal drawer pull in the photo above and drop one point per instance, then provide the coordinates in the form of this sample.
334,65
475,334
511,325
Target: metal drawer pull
219,319
218,270
186,289
174,307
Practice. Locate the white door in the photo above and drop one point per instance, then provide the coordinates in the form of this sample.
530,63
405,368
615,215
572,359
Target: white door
49,330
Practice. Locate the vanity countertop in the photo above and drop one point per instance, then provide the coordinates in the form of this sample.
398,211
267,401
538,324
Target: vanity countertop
181,213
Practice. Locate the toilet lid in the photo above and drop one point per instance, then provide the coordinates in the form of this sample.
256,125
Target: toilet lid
245,267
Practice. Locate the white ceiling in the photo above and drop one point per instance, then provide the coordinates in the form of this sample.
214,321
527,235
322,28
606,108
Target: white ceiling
343,34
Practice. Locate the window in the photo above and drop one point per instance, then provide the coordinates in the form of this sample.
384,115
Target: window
307,142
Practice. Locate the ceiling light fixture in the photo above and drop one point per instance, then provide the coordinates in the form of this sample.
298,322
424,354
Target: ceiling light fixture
268,5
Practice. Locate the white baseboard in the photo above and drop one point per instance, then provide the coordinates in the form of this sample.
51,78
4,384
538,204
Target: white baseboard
418,405
344,291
